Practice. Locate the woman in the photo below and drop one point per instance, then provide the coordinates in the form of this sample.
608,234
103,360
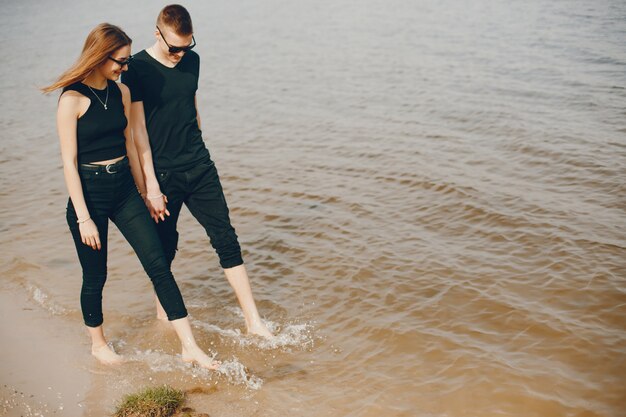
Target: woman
99,163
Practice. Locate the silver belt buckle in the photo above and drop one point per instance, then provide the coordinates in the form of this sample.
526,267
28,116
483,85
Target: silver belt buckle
108,169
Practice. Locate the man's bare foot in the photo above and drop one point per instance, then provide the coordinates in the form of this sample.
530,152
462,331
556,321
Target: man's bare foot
197,356
260,329
106,355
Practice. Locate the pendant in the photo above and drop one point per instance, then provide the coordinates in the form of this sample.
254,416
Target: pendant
105,107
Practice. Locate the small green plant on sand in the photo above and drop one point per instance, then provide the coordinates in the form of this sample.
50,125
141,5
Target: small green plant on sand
161,401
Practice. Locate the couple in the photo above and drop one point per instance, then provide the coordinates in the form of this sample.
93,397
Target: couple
133,151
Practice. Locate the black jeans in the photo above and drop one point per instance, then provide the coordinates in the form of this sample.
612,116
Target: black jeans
110,193
199,188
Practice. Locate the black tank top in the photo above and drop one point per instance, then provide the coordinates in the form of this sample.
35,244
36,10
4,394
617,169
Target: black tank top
100,131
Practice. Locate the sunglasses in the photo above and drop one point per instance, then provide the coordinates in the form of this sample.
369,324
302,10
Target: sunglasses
177,49
121,63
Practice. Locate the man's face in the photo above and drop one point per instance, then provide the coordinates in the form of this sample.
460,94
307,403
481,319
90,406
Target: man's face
173,45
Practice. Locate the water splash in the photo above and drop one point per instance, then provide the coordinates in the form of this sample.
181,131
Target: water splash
299,335
291,335
233,371
157,361
237,374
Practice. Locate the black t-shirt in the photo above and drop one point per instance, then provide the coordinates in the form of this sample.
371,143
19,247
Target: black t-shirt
100,131
168,96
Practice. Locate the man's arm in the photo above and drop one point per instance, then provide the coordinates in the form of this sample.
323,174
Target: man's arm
195,100
131,149
155,200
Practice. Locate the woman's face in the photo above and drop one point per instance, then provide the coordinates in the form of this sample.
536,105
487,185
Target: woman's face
116,63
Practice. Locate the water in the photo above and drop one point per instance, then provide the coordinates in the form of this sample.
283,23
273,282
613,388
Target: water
429,194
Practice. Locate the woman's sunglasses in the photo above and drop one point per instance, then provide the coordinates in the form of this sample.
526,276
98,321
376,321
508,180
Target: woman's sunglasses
121,63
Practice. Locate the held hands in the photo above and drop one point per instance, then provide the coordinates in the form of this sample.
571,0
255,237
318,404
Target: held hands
157,206
89,234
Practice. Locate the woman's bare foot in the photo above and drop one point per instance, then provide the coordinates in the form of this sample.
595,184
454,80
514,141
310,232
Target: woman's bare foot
260,329
106,355
197,356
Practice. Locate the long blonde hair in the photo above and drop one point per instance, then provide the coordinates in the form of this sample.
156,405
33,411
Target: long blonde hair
101,42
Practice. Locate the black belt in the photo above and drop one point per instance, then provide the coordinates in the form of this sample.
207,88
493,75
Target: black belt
109,168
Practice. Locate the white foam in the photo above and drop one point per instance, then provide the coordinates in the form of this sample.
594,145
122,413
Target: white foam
232,370
290,335
157,361
238,374
41,298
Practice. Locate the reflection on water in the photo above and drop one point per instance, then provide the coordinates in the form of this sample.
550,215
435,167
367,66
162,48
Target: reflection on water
430,196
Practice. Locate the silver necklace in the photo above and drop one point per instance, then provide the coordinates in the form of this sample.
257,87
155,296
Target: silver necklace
106,100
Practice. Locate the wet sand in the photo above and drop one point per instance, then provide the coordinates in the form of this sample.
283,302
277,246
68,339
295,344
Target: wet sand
47,369
43,370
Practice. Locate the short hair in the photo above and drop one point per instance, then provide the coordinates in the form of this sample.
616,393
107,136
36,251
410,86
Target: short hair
176,17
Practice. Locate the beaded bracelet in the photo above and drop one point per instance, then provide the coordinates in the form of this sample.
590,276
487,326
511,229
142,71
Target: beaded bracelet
154,196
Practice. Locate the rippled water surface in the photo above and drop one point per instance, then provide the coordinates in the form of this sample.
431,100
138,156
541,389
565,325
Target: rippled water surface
430,196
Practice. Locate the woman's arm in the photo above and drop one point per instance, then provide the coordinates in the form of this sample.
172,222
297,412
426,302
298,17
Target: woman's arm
67,116
155,200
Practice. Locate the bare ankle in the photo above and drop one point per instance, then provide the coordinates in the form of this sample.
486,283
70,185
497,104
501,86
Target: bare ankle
98,345
259,329
106,355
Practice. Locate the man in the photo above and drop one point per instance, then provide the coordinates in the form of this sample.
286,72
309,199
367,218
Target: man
176,164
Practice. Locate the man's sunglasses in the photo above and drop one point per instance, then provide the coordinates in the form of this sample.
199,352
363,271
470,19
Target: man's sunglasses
177,49
121,63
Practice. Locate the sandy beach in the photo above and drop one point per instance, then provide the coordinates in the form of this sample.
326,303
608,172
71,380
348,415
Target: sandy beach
47,369
44,362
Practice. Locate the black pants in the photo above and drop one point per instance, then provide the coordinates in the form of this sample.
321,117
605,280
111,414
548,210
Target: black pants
199,188
110,193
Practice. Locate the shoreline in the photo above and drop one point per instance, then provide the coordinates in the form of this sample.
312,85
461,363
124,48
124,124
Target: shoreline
46,368
45,363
